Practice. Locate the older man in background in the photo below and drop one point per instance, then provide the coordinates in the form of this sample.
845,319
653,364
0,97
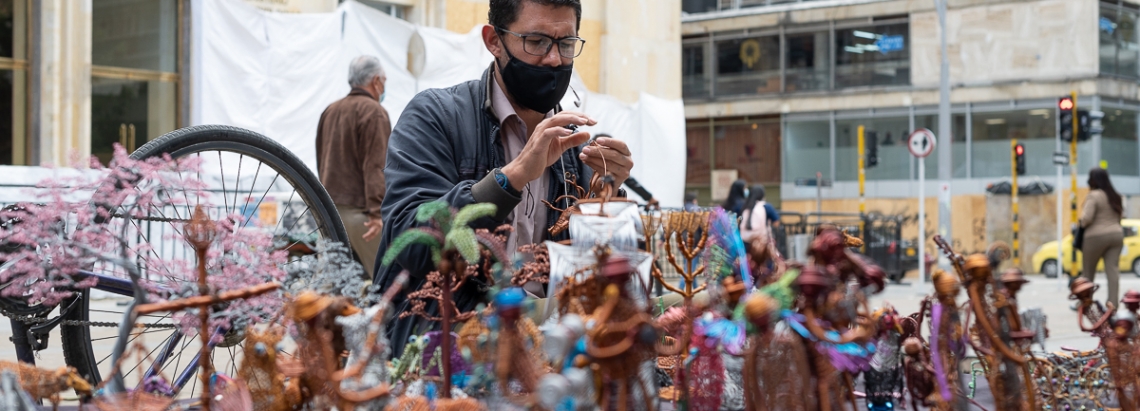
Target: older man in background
352,143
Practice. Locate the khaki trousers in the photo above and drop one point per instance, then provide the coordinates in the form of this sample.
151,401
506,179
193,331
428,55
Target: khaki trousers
1108,247
354,219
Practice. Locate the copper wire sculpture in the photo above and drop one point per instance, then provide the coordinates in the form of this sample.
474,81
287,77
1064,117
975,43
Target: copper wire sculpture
622,340
44,384
686,234
827,299
997,337
1118,349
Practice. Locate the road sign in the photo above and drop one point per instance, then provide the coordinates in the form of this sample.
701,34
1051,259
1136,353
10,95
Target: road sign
1060,159
921,142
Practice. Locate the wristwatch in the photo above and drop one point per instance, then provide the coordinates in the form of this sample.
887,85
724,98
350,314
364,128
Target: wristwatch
505,183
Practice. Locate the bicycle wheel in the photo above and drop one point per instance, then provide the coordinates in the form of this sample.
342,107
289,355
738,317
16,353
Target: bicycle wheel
244,173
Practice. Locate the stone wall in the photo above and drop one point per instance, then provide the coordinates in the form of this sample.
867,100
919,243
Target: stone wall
1024,40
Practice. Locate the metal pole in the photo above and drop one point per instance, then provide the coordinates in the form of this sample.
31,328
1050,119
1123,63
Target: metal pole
922,274
818,194
862,175
1060,210
1014,203
945,158
1073,187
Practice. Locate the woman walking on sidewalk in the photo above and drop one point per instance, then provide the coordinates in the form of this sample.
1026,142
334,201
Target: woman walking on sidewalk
1103,237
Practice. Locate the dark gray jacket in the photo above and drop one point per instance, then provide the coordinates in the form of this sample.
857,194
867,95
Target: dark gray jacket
444,147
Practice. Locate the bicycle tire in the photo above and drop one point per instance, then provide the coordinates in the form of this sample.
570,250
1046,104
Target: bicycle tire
76,339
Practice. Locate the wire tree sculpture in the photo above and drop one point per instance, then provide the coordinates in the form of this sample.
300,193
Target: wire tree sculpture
454,246
84,219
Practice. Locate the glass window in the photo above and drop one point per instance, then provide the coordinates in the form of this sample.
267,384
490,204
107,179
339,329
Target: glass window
698,6
13,81
134,48
748,66
694,77
807,149
146,105
697,172
137,34
1035,129
1118,144
392,9
872,56
752,148
808,62
889,133
1119,51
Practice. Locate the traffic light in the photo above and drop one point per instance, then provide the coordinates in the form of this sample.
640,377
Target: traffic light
872,149
1090,124
1019,159
1065,117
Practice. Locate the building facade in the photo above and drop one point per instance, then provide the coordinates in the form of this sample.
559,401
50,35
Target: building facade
776,90
78,76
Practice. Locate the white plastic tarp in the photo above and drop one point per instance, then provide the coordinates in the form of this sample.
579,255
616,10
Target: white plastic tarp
275,73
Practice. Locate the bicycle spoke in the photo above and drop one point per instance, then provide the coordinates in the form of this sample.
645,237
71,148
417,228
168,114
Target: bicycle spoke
258,206
149,355
237,182
121,313
253,185
133,338
178,357
285,212
222,176
299,241
297,220
140,332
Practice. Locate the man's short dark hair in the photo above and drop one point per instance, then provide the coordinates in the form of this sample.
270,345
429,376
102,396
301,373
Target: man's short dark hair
504,13
690,197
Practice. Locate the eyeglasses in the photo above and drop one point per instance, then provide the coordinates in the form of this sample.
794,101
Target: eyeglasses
540,44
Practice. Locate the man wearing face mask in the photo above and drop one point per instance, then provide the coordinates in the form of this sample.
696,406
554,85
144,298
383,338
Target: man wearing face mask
502,139
352,143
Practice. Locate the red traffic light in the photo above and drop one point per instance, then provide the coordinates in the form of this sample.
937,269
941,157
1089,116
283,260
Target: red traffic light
1065,103
1019,149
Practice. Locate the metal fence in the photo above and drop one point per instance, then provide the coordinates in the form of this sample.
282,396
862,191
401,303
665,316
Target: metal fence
881,235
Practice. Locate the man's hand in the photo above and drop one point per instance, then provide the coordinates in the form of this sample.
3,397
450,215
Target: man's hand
617,160
550,139
374,227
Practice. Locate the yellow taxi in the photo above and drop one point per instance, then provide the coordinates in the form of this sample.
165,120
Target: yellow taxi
1045,259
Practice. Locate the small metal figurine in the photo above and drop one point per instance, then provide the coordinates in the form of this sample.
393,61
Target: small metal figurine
1114,335
948,342
761,312
837,322
621,342
999,340
44,384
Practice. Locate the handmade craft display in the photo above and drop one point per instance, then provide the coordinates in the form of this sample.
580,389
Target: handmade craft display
732,325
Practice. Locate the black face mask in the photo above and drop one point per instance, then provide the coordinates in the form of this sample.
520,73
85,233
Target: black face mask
538,88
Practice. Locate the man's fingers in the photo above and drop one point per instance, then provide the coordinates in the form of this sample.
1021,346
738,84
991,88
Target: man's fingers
612,157
566,118
619,169
373,231
573,140
615,144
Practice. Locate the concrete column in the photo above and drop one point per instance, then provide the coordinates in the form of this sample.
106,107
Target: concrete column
64,76
641,49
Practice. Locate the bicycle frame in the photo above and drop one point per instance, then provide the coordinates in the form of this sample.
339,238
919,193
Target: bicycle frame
124,287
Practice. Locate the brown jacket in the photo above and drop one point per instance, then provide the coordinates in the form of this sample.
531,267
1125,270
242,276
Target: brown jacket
352,142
